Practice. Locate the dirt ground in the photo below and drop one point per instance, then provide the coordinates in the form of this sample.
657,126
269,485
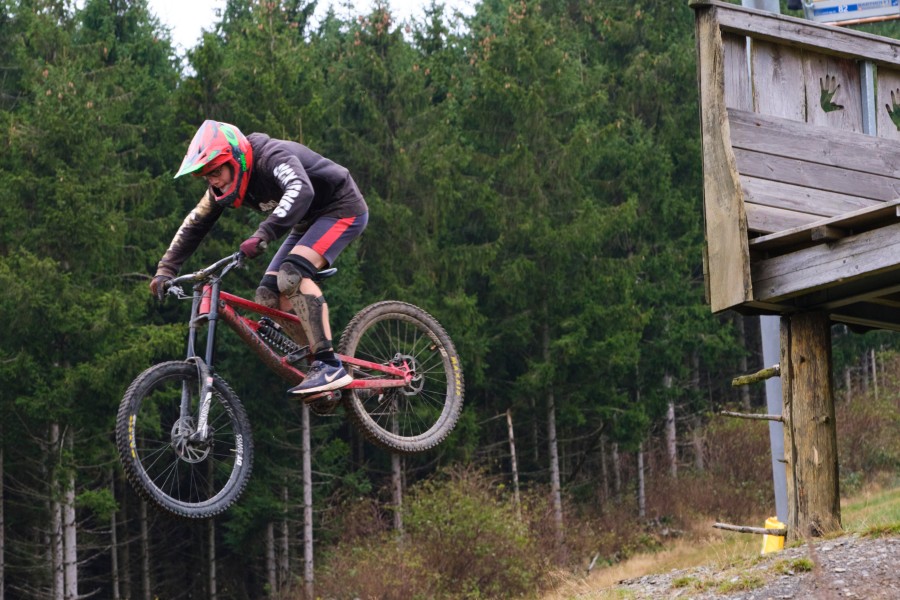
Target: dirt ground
852,566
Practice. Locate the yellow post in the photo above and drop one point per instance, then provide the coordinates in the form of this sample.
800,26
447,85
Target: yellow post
773,543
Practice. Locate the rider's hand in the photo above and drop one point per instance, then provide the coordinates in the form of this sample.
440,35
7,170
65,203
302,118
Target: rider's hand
158,286
252,247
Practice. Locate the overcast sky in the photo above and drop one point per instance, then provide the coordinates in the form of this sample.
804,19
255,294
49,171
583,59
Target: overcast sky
187,18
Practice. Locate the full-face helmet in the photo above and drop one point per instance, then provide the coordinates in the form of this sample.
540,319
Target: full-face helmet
216,144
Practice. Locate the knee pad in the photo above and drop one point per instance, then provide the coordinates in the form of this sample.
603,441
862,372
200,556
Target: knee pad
292,271
267,292
309,308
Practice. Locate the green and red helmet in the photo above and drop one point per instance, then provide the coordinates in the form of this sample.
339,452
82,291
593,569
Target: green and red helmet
216,144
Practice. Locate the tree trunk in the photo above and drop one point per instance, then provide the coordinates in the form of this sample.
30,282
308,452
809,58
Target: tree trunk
271,569
145,551
284,559
743,366
70,545
396,477
113,543
671,434
697,443
809,425
642,500
513,464
604,471
617,469
126,550
552,447
56,517
307,507
874,366
213,581
2,525
848,385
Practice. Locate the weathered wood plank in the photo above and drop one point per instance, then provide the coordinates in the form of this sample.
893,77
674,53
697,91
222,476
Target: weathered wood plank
778,88
800,32
828,233
830,83
852,258
887,101
726,222
831,229
817,176
820,203
769,219
738,91
784,137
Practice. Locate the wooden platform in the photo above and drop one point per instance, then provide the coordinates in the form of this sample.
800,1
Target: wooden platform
801,159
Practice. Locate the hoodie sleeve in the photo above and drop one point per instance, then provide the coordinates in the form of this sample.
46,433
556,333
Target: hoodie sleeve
192,231
297,194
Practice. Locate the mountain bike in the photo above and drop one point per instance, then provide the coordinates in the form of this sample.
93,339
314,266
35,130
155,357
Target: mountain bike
184,437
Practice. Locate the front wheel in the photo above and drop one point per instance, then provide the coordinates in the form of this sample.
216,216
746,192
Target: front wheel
421,415
165,462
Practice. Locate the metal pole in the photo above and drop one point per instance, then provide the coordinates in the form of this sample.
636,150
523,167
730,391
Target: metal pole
767,5
770,328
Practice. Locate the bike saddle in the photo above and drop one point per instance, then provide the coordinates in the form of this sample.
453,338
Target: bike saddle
325,273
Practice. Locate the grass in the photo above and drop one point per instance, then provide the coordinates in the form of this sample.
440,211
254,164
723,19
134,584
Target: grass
871,511
875,511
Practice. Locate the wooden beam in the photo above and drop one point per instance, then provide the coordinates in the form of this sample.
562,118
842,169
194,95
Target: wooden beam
801,32
852,258
729,281
746,529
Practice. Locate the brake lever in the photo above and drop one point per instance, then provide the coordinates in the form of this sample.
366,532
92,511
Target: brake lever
177,291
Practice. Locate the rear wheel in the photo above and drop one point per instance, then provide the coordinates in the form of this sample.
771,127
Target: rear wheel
189,478
422,414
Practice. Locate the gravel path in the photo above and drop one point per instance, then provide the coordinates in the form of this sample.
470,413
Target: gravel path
847,567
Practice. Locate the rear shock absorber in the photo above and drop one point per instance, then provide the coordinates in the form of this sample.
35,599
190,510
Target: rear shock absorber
271,332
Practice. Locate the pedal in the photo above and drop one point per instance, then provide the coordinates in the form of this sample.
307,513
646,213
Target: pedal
323,403
298,356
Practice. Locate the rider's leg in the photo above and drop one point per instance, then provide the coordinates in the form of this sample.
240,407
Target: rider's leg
296,283
268,295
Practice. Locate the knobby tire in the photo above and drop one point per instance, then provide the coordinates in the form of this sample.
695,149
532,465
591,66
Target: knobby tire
420,416
200,481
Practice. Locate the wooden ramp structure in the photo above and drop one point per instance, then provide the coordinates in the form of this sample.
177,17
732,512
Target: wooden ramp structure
801,157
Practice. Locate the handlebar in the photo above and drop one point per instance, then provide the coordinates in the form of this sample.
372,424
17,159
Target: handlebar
205,274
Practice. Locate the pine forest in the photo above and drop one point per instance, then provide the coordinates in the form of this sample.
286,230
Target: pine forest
534,180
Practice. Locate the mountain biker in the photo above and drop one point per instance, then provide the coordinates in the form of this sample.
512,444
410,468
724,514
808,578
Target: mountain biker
309,197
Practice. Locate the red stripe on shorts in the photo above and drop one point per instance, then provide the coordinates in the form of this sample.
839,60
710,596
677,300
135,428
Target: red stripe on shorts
332,235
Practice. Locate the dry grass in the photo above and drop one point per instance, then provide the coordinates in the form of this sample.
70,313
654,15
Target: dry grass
873,510
718,549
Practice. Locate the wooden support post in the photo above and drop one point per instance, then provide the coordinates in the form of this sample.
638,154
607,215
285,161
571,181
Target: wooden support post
810,437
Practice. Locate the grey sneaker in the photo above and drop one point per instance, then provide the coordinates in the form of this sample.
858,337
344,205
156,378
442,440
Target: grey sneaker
322,377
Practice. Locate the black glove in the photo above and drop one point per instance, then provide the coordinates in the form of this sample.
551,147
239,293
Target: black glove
159,285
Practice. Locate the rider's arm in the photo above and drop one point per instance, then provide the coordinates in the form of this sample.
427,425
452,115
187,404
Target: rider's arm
291,178
194,228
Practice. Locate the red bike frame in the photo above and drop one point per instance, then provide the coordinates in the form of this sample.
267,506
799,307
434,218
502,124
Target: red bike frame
214,303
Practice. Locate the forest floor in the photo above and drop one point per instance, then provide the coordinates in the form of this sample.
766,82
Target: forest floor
862,563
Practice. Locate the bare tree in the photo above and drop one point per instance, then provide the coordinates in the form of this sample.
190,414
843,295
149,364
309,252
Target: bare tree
2,526
671,433
514,465
307,506
642,499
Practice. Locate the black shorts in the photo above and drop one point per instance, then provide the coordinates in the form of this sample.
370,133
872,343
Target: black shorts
327,236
